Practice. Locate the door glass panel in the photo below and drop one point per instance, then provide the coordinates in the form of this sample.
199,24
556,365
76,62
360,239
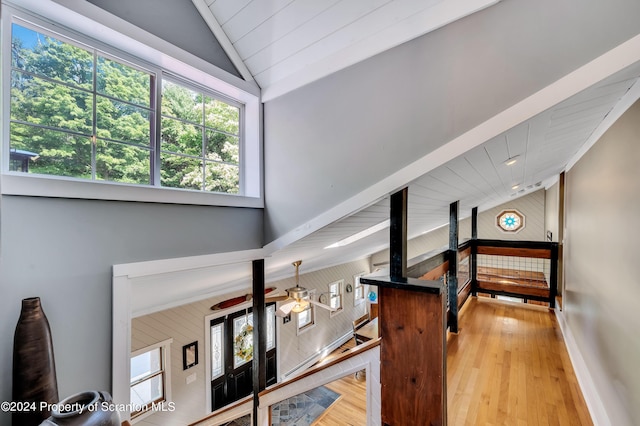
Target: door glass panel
271,327
242,340
217,351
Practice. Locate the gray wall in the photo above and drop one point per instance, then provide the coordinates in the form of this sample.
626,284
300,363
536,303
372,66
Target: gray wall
176,21
333,138
602,289
62,251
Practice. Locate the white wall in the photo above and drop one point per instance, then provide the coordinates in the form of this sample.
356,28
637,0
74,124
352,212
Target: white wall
185,324
295,349
601,289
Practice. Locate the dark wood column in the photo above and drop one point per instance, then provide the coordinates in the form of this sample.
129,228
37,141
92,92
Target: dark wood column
398,234
259,336
473,261
452,276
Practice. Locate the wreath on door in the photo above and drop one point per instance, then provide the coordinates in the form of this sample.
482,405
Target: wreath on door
243,343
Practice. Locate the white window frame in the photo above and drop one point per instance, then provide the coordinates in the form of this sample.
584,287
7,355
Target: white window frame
88,24
340,293
165,347
312,323
357,284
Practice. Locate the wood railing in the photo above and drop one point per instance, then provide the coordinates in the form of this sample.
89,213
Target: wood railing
523,269
295,385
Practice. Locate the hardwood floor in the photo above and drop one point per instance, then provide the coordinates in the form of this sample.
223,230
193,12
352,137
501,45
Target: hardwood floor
508,365
351,408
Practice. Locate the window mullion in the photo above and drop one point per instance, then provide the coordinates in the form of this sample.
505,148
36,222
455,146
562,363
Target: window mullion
156,129
204,144
94,137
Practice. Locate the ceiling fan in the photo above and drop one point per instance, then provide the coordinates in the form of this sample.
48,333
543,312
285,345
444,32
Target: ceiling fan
297,298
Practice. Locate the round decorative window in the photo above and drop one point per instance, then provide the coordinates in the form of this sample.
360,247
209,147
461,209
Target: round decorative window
510,220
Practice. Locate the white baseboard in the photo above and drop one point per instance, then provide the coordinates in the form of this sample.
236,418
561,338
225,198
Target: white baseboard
590,392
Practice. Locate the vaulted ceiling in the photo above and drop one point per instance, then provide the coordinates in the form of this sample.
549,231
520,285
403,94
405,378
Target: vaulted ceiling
286,44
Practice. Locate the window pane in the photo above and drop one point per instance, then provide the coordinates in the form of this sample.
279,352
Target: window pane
123,82
222,147
221,116
42,102
46,56
304,318
242,340
217,351
146,364
122,122
222,177
118,162
148,391
181,138
54,153
182,103
181,172
335,302
271,327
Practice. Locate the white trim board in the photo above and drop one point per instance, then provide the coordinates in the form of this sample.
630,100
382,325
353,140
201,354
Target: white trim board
276,80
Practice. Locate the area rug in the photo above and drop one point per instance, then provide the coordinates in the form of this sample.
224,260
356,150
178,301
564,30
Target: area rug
303,409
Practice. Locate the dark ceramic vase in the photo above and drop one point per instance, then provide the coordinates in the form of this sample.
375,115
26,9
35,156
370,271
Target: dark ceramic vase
84,409
34,370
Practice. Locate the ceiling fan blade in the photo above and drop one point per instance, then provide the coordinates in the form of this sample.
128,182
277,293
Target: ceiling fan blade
286,308
322,305
276,299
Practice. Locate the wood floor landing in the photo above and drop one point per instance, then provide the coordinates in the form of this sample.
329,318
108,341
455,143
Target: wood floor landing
508,365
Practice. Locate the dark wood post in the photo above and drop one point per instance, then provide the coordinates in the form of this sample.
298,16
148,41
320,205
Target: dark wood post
553,285
452,281
398,235
259,336
473,262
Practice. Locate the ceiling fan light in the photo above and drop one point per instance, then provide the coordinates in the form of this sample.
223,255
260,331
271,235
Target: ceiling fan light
300,306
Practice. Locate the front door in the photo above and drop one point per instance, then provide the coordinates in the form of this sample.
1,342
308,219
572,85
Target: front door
232,356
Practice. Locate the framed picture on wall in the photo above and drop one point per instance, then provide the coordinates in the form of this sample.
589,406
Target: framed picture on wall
190,355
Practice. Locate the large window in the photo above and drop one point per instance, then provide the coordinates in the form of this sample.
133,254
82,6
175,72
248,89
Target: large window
82,111
149,377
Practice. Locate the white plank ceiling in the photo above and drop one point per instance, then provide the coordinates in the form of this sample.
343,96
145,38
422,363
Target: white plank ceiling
285,44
